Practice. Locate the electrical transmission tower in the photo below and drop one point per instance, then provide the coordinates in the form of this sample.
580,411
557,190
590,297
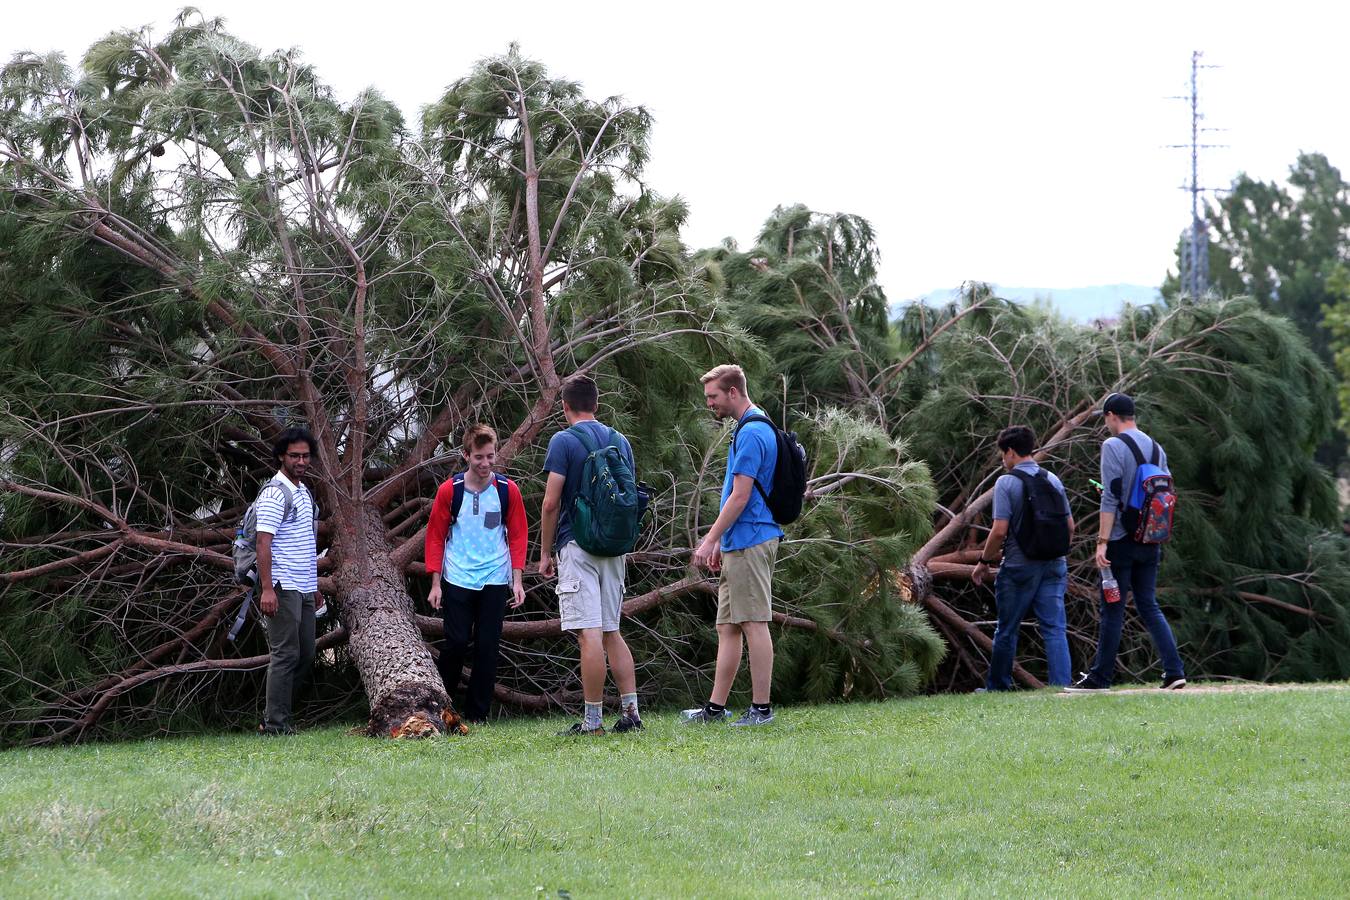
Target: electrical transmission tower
1195,250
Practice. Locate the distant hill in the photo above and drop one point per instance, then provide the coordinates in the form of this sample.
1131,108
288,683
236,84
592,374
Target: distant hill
1082,304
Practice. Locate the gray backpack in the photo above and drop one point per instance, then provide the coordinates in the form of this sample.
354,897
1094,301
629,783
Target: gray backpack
245,548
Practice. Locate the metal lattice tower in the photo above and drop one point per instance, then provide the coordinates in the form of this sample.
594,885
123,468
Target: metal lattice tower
1195,251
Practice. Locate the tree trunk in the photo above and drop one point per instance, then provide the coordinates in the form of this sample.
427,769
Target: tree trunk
402,684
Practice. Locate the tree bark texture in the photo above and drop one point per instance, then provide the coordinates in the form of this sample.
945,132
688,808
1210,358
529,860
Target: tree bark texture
397,670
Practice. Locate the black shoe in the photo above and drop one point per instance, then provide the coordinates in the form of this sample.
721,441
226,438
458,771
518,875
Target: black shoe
579,730
1173,683
1086,684
626,722
264,731
629,721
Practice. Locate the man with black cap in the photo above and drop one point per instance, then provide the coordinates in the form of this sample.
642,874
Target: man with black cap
1134,565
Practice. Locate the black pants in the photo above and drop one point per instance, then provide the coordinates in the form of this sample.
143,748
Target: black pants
472,616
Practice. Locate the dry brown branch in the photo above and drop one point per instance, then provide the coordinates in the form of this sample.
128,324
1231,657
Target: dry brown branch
959,624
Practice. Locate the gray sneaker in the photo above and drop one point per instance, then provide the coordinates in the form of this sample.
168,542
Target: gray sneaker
699,716
755,717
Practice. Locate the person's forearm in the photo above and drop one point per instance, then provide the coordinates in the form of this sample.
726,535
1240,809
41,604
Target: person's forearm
993,545
264,560
548,528
1104,527
435,580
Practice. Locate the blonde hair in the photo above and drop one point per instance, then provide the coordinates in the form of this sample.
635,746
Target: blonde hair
727,377
477,436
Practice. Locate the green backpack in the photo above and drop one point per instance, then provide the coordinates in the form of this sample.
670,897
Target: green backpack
609,503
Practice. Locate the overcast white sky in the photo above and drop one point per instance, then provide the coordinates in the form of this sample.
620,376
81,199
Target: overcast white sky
1020,143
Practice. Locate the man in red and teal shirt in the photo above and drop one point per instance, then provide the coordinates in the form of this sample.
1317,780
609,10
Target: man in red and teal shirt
475,553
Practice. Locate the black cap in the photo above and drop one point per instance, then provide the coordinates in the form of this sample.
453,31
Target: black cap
1120,404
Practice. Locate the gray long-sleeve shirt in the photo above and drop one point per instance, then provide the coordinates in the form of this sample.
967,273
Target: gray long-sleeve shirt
1118,473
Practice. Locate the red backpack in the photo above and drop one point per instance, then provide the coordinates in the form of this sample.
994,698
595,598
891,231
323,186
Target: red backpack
1152,503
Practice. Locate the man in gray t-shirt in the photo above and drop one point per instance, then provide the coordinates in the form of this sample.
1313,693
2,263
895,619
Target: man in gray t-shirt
1119,468
1134,565
1009,506
1023,585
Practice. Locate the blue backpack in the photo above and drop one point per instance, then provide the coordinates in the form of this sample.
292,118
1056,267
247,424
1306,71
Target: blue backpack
1149,510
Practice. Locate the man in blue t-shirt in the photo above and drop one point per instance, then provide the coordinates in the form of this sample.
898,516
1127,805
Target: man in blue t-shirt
590,588
1023,585
743,545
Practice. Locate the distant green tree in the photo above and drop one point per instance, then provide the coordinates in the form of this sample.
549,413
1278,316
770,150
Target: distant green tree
807,290
1337,323
1284,245
1281,243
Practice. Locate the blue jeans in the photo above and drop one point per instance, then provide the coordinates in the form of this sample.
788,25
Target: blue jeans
1136,569
1035,587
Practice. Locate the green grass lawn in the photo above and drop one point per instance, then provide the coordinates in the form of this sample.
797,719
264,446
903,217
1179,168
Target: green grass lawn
1239,794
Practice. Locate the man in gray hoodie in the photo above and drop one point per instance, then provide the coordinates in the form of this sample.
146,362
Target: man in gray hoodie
1134,565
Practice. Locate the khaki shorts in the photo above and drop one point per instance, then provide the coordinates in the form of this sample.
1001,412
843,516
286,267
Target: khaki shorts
745,593
590,589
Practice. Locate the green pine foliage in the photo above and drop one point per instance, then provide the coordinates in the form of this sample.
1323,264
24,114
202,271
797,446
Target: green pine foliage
269,217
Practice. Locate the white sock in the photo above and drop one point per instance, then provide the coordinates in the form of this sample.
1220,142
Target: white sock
593,713
628,705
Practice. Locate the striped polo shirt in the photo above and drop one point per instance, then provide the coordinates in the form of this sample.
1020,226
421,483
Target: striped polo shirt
294,557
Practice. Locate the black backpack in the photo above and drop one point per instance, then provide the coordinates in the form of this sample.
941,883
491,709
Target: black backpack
784,497
1043,532
457,496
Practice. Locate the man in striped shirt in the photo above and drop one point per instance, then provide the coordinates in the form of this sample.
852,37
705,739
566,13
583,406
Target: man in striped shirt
289,574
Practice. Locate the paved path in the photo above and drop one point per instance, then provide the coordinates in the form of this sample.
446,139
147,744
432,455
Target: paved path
1236,687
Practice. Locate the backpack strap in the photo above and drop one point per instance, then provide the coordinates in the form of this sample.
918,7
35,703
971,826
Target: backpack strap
1027,480
1134,448
587,442
456,496
503,494
757,417
287,499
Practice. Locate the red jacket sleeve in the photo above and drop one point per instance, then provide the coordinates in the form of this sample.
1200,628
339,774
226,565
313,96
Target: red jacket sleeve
517,527
438,526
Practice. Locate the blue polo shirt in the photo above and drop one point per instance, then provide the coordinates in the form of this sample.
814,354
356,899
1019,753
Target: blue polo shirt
754,453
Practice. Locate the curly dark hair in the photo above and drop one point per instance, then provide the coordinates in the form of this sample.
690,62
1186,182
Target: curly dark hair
294,435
